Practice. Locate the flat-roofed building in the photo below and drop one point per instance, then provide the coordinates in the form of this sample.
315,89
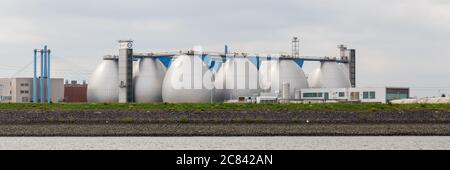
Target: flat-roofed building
20,90
364,95
75,93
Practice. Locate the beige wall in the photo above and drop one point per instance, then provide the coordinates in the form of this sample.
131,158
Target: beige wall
5,88
21,89
57,90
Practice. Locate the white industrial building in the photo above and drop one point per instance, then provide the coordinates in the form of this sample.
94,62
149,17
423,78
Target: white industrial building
157,77
426,100
20,90
364,95
154,77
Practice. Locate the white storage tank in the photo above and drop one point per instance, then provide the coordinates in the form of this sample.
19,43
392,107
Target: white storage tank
187,70
275,73
241,78
286,91
103,84
219,85
135,70
330,75
149,80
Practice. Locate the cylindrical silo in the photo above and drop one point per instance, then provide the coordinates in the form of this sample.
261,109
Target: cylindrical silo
273,73
219,85
313,78
345,70
184,81
136,70
103,84
286,91
241,78
331,75
148,83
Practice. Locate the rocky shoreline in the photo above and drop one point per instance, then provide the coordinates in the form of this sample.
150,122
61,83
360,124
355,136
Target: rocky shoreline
224,123
225,116
225,130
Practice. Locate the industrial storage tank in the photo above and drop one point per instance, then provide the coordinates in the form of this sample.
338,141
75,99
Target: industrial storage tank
219,84
275,73
149,80
330,75
241,78
136,69
189,70
313,78
345,69
103,84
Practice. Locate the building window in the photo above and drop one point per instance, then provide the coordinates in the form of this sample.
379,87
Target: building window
309,94
312,95
22,92
365,95
5,98
369,95
372,95
341,94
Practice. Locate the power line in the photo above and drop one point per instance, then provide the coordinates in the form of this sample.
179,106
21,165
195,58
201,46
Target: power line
62,69
22,69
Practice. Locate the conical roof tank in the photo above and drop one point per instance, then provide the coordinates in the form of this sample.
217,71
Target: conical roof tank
149,80
241,78
275,73
103,84
183,82
331,75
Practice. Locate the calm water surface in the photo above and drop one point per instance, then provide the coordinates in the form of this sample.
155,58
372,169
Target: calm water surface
233,143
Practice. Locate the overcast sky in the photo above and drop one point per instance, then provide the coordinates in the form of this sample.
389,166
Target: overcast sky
398,42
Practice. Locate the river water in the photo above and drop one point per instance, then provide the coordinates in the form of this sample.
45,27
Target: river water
226,143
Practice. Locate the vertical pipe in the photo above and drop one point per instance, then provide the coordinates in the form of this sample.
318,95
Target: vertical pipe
352,65
49,81
35,78
41,78
45,72
226,50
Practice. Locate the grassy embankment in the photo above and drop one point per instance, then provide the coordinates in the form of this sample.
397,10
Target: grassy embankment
165,119
222,106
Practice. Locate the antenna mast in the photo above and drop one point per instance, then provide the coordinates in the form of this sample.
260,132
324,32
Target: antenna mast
295,47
